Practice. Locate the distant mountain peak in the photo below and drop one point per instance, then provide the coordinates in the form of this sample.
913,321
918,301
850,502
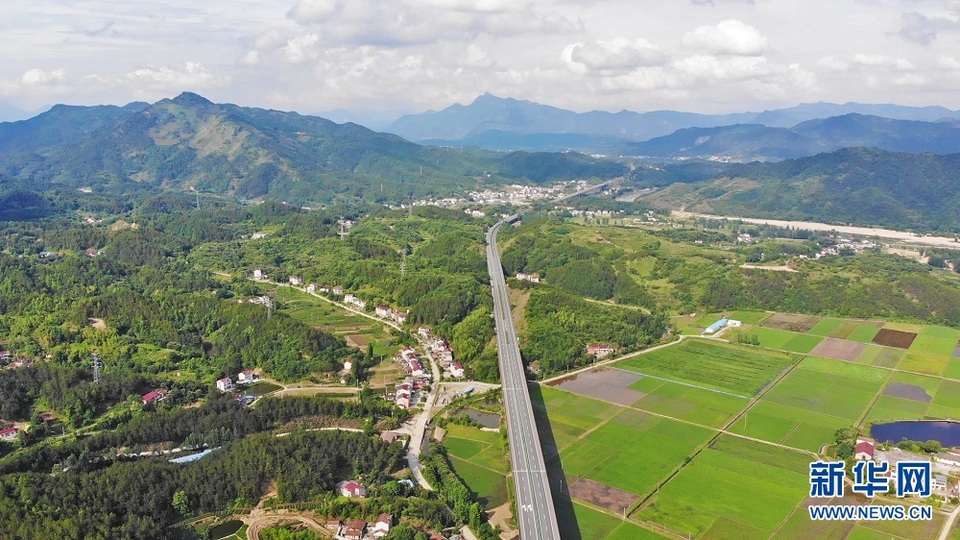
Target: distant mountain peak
190,98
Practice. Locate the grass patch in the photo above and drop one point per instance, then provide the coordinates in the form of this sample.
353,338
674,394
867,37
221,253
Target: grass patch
825,327
863,333
738,369
490,487
791,426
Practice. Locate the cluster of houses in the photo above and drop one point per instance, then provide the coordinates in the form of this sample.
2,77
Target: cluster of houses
408,392
843,244
442,351
244,377
386,312
532,278
358,529
943,464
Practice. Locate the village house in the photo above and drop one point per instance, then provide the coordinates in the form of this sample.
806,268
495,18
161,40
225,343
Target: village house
246,377
353,299
939,482
424,332
354,529
296,281
20,363
325,289
338,291
416,369
258,274
350,488
258,236
347,365
333,525
381,527
8,434
400,317
389,437
5,355
312,288
150,397
532,278
224,384
865,449
456,370
599,350
383,311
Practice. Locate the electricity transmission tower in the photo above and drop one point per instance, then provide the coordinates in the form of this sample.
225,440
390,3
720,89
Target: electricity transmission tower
97,364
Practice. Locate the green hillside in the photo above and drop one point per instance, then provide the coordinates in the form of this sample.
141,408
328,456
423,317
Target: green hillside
857,185
188,143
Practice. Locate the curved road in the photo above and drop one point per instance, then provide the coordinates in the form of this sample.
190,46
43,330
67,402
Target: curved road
535,511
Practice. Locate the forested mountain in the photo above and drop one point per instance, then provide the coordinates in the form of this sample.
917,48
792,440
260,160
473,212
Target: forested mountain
859,186
505,123
189,143
745,142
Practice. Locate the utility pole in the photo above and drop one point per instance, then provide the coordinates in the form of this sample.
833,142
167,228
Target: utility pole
403,263
97,364
343,230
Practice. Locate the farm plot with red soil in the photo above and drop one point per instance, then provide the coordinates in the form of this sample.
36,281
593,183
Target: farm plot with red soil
839,349
602,495
894,338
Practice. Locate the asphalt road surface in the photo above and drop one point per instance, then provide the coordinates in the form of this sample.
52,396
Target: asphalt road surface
536,514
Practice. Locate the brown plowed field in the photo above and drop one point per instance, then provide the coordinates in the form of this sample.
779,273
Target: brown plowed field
894,338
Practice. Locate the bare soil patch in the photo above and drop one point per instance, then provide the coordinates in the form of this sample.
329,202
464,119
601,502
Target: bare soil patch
518,299
604,383
839,349
99,324
894,338
354,340
602,495
791,321
908,391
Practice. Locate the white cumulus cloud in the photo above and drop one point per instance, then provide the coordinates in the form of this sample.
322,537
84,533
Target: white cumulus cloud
616,54
727,37
39,77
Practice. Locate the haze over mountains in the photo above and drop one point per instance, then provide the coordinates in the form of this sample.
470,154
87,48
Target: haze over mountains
504,123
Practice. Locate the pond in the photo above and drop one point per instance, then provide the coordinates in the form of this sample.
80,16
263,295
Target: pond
225,529
485,419
948,433
261,388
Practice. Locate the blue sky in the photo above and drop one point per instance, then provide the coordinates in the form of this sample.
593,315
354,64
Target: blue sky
413,55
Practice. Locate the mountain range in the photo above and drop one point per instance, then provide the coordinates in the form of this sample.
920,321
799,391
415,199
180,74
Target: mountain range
189,143
506,123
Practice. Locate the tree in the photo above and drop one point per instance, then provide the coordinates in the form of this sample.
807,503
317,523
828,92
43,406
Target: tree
180,502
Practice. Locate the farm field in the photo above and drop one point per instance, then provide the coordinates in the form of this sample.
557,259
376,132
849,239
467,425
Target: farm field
330,318
628,439
716,494
687,403
595,525
478,457
738,369
842,373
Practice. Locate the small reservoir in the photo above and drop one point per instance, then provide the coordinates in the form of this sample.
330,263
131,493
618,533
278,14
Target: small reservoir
948,433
